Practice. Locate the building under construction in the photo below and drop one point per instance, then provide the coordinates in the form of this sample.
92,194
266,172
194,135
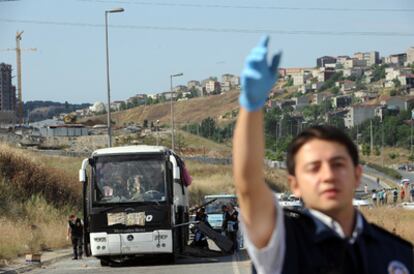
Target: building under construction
7,95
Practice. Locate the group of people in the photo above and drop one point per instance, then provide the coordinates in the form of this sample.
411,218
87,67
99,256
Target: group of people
392,195
132,189
230,226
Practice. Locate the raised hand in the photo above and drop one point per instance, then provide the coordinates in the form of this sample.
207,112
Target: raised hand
257,78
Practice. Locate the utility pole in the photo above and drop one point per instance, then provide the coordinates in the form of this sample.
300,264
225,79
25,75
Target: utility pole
382,140
371,136
411,137
19,76
281,127
357,140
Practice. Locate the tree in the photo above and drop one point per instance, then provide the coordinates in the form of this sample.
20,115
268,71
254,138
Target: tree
194,92
289,82
397,82
335,90
378,72
331,81
377,151
337,121
208,127
312,112
393,155
366,149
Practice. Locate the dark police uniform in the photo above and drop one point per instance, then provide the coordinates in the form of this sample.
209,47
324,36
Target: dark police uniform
76,229
313,247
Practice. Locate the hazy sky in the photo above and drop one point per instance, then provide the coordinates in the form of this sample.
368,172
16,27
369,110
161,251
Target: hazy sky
153,39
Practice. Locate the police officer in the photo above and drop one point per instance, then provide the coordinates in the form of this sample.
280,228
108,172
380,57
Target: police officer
75,232
232,225
330,235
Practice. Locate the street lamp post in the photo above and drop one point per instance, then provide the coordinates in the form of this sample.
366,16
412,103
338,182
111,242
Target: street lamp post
172,108
157,128
108,84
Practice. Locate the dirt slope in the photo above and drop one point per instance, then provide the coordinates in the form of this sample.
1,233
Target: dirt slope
190,111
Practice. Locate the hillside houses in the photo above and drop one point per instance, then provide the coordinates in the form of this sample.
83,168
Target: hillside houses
345,86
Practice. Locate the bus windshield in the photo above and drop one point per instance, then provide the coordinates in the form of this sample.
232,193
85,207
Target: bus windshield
120,179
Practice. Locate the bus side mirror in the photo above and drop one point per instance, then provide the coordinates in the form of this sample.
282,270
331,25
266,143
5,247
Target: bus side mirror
176,168
176,173
82,171
82,176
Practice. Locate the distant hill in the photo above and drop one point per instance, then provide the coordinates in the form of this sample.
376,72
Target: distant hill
221,108
40,110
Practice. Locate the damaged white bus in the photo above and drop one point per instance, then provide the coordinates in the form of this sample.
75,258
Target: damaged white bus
135,202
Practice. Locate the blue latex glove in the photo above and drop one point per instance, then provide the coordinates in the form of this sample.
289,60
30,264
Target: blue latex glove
257,78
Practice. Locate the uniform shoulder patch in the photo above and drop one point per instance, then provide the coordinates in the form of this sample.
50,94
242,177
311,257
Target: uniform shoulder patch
397,267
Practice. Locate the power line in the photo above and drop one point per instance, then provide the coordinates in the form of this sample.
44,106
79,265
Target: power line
218,30
285,8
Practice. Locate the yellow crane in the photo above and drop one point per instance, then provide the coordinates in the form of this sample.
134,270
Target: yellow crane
19,73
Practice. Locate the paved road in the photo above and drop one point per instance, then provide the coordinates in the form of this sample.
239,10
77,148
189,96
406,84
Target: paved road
369,181
237,264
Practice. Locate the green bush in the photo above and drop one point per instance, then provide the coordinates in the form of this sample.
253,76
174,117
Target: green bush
388,171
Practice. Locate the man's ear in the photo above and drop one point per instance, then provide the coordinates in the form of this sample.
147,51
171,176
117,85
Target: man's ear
358,175
294,186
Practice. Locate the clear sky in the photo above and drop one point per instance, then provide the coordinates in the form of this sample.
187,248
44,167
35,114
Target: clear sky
153,39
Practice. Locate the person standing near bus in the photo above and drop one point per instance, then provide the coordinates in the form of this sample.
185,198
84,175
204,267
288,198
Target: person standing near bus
75,233
232,225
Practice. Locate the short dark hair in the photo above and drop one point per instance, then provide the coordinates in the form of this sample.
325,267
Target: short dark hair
321,132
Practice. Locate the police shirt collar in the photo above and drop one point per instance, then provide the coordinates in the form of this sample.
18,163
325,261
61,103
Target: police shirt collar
324,225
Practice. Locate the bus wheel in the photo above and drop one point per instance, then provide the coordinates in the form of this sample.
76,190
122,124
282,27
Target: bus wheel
105,262
171,258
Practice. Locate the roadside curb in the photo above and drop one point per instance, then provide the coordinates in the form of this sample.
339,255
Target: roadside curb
30,267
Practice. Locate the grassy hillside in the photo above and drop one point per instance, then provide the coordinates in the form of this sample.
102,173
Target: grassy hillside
186,144
36,195
218,179
190,111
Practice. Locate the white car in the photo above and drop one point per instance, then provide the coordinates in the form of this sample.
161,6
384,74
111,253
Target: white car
290,201
407,205
361,203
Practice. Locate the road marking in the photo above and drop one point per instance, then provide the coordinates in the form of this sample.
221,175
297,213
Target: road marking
235,259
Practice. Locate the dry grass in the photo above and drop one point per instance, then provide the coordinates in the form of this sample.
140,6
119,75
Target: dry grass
190,111
396,220
41,227
218,179
30,176
36,195
186,144
209,179
402,156
70,165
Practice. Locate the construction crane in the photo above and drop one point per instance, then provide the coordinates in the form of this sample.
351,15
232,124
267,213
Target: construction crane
19,73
